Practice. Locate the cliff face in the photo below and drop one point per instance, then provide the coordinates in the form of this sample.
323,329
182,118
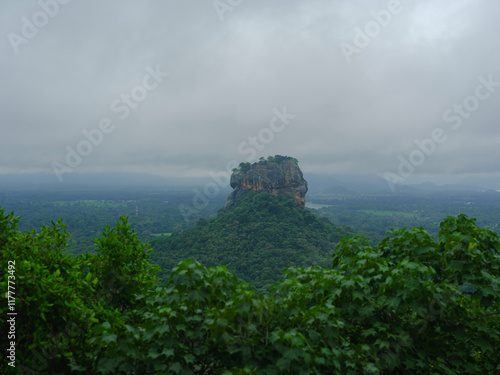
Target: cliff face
284,177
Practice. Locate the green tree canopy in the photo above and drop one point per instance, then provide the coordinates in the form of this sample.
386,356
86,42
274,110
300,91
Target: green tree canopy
256,239
410,305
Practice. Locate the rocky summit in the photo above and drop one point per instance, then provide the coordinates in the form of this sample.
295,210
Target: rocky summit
276,175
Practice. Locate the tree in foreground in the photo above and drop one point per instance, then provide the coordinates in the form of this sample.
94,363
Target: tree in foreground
410,305
61,300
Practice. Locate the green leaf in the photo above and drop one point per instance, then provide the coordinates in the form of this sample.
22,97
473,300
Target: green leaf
168,352
371,368
108,338
358,295
189,358
175,367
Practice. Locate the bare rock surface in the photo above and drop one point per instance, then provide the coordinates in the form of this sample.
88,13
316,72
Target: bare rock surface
281,175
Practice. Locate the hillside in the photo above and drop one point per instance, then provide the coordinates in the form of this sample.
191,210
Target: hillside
261,229
256,239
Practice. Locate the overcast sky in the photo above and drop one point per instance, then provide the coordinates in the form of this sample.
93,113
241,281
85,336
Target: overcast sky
178,87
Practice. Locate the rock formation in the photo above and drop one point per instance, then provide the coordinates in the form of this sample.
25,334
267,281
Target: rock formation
276,175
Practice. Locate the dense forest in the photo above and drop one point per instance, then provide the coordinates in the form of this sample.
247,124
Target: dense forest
86,212
372,215
155,212
414,303
256,239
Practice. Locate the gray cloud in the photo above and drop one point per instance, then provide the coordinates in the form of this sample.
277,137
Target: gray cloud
227,77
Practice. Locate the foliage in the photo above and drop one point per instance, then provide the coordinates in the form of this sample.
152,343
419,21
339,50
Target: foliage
245,167
256,239
279,158
410,305
373,215
50,290
60,298
121,265
400,308
87,212
182,326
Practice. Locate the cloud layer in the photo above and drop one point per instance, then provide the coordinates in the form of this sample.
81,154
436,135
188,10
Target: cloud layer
366,81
